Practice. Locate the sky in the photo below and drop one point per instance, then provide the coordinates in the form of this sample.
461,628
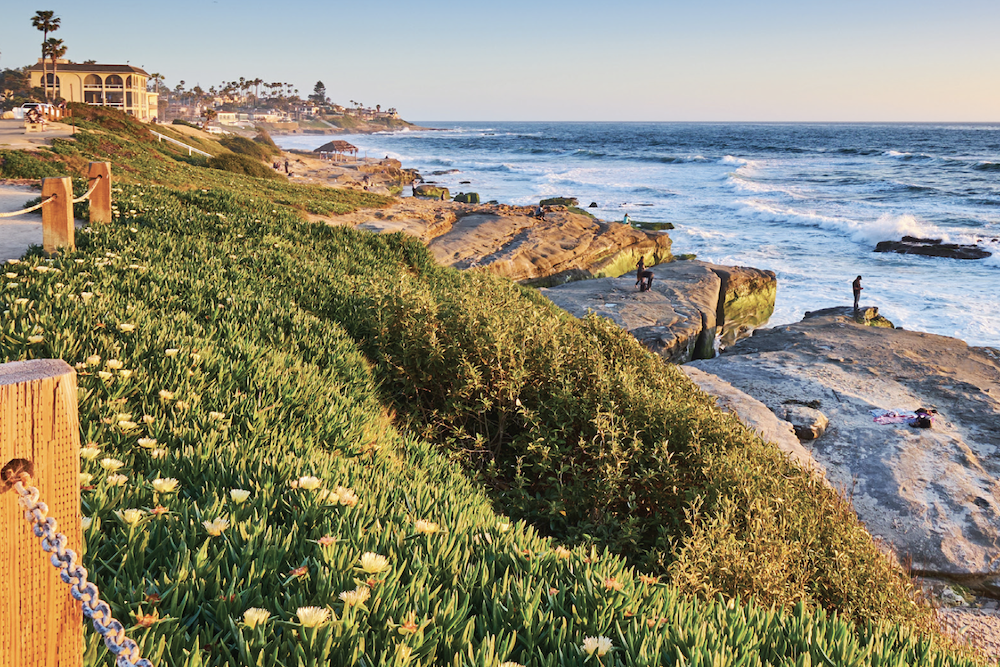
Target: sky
630,60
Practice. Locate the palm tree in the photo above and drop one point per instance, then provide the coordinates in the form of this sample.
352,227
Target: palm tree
47,22
157,79
54,49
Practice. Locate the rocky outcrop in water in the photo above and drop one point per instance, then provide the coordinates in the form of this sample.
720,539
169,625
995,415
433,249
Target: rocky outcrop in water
932,494
911,245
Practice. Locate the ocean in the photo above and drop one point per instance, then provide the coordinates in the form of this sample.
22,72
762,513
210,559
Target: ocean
807,201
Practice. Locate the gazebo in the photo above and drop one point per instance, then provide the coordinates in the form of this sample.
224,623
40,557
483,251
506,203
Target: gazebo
336,150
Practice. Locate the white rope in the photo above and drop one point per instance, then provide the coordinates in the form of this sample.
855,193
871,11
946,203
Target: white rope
28,210
90,191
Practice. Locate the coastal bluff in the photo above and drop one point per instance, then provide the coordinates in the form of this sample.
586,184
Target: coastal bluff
561,246
933,494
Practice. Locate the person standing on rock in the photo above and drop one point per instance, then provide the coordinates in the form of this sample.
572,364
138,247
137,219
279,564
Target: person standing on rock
643,277
857,291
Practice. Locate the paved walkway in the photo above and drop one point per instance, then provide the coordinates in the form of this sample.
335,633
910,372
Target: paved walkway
21,231
12,134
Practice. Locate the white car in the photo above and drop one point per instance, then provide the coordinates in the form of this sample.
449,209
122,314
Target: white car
20,111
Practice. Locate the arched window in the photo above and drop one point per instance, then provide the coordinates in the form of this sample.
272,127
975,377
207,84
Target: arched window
93,80
49,77
113,80
128,82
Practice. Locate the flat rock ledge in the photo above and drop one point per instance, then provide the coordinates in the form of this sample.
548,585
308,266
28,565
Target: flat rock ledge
931,495
561,246
692,305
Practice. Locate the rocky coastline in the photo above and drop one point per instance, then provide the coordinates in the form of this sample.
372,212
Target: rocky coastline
928,496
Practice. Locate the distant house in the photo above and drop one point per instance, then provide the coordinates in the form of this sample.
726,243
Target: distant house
119,86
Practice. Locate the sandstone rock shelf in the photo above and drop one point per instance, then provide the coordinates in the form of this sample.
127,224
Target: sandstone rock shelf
932,495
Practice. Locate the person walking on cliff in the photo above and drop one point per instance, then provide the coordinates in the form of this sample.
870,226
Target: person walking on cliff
857,291
643,277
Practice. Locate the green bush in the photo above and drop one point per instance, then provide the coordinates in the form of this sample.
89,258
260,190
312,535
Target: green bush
181,121
30,165
265,140
242,164
244,146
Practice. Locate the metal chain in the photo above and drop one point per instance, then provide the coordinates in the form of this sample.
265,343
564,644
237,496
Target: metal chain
125,650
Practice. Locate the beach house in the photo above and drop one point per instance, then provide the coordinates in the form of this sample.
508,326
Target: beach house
119,86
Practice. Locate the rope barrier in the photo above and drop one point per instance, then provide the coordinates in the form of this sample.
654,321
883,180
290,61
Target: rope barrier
126,651
28,210
42,203
90,191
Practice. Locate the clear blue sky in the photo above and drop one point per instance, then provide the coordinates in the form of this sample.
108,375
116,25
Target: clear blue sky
768,60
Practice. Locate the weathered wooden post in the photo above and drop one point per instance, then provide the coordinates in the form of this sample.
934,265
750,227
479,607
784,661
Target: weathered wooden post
100,198
57,216
40,624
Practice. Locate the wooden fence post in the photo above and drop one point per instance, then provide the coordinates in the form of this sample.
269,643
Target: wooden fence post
57,216
100,198
40,624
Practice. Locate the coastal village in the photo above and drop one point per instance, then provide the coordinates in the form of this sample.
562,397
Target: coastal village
316,407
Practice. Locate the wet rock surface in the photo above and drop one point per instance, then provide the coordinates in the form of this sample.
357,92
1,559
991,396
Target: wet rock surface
911,245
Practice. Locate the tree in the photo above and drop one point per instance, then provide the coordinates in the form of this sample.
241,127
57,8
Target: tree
46,22
55,49
157,79
319,93
210,115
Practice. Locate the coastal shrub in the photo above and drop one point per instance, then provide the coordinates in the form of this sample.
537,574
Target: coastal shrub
244,146
264,139
181,121
30,165
578,429
107,119
238,163
227,382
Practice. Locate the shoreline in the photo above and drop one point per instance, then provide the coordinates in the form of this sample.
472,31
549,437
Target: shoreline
865,362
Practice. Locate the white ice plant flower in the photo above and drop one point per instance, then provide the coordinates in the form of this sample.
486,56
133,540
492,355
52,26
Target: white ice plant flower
255,616
216,526
89,453
599,644
110,464
164,484
309,483
312,617
130,517
372,563
239,496
115,479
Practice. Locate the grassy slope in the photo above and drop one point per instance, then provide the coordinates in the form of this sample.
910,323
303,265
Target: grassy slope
305,338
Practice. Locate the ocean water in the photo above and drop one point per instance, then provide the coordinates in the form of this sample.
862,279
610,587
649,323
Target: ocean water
807,201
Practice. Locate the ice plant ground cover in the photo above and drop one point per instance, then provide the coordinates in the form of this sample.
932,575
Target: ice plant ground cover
263,351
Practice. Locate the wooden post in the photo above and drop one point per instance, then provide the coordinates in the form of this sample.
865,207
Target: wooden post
100,198
40,624
57,216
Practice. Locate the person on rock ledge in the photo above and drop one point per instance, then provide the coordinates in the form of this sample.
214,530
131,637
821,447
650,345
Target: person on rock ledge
643,277
857,291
